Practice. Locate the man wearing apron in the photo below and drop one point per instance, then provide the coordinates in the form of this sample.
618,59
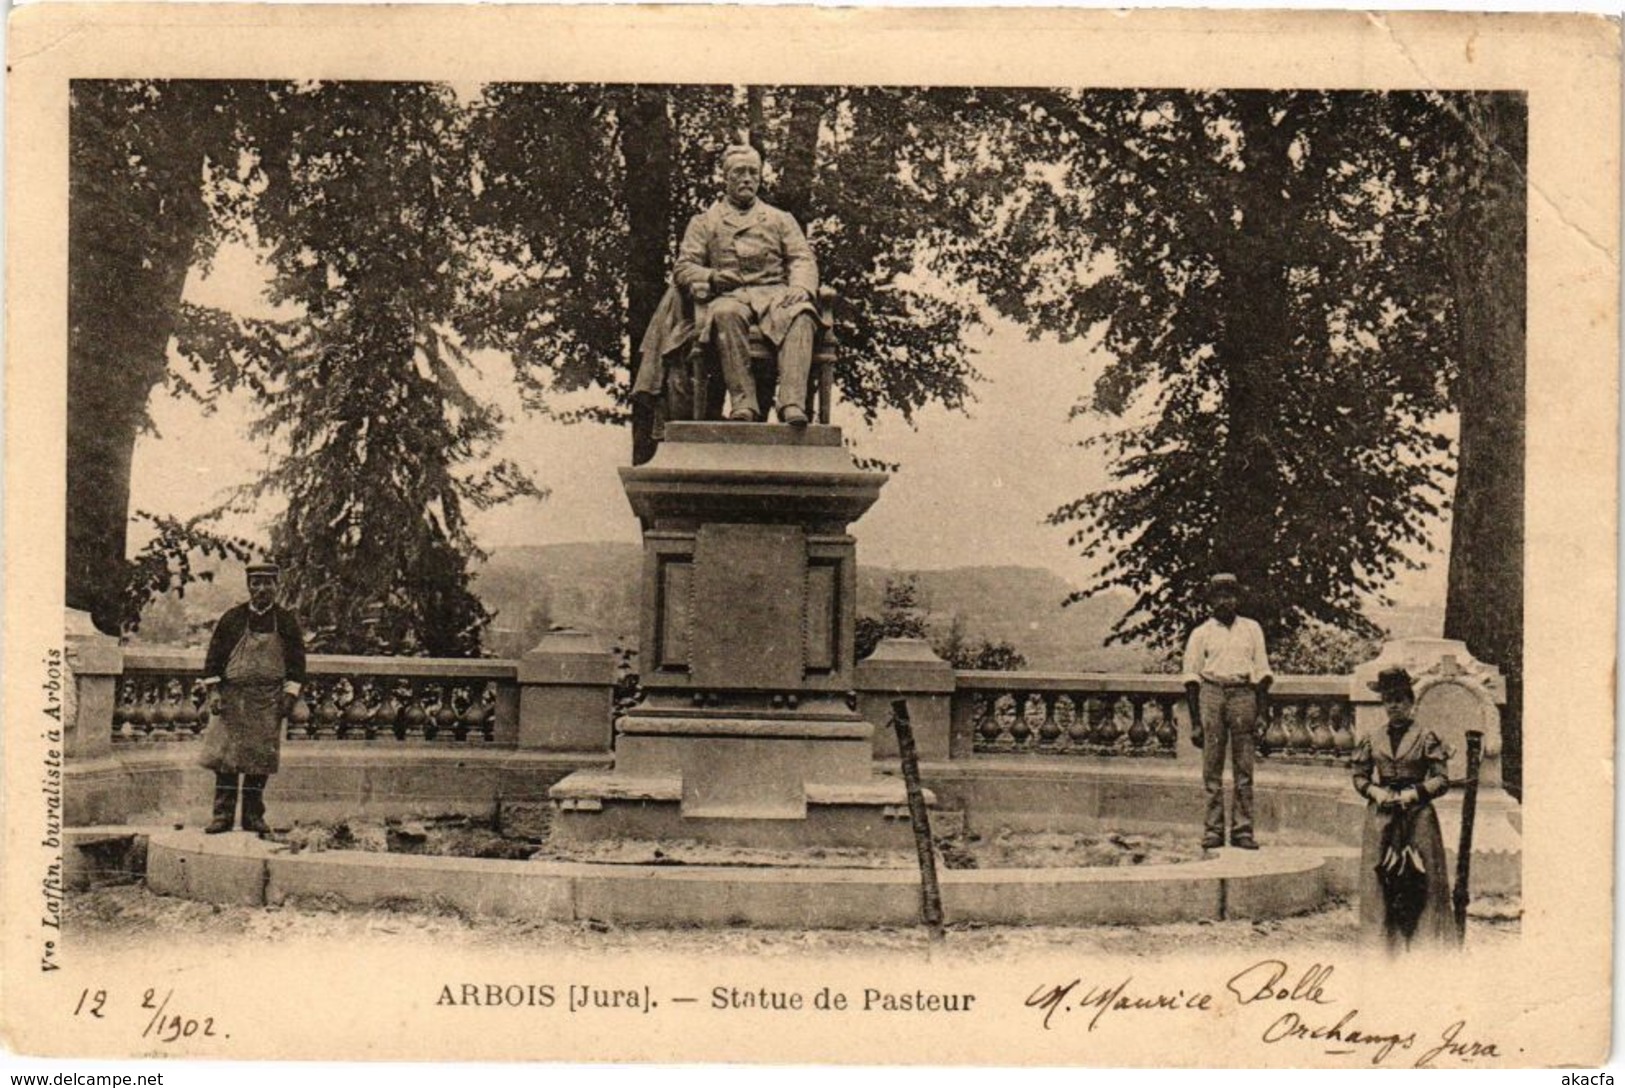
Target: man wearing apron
254,670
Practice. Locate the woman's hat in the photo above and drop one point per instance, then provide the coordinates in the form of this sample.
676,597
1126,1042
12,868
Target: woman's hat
1393,681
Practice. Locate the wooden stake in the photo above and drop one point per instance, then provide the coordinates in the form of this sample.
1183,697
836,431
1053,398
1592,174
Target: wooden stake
930,893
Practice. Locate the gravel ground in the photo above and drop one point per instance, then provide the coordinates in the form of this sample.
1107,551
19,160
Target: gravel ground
460,835
131,917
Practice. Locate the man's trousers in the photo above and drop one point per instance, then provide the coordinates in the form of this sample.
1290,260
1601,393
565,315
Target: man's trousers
1229,719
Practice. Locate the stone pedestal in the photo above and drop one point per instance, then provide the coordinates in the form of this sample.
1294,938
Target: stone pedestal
94,662
749,731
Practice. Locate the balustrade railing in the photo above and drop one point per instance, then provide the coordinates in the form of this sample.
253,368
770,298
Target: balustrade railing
1306,725
1136,715
459,702
1067,714
161,698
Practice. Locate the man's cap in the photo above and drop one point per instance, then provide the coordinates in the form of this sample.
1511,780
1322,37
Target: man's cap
264,568
740,153
1223,581
1393,680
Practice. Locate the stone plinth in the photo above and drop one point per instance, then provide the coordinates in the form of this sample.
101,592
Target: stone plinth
907,668
748,732
566,693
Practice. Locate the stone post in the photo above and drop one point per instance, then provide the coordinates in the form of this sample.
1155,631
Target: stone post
90,690
907,668
567,694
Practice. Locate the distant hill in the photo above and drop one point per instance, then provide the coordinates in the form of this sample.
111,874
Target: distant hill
595,587
1021,606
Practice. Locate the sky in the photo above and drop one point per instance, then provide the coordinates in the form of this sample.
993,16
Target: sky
973,488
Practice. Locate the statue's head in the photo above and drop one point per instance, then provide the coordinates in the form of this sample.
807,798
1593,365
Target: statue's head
741,174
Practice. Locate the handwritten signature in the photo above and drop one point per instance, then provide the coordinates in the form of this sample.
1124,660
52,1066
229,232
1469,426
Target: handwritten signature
1118,998
1269,981
1452,1043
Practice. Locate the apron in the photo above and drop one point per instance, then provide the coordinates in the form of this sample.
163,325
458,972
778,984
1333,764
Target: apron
246,736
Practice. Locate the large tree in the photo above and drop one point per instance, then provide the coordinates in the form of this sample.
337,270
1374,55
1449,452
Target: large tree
1487,268
139,154
1261,269
364,217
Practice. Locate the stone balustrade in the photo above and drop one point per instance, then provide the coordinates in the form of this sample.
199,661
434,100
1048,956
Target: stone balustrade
159,698
560,698
1134,715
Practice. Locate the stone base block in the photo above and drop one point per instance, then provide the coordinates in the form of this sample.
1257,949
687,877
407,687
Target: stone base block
594,806
226,869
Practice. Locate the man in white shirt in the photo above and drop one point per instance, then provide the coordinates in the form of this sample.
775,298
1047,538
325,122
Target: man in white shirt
1227,679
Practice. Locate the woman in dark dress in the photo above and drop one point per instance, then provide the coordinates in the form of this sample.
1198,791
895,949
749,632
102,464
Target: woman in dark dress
1400,771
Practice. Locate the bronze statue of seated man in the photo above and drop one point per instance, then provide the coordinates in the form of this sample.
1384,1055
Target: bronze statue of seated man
751,263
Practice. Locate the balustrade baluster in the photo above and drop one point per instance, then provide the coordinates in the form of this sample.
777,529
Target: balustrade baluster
1274,735
123,711
984,721
1342,735
1167,727
1298,743
1138,731
146,710
1320,736
415,718
461,705
1050,730
388,715
187,725
325,715
1076,724
1109,732
1020,730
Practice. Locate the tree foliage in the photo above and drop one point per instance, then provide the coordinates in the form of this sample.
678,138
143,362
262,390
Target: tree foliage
138,152
902,615
365,221
585,191
1261,268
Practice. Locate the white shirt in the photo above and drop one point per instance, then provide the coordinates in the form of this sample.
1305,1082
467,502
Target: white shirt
1227,654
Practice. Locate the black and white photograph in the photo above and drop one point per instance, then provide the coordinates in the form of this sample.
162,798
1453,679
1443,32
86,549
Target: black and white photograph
791,536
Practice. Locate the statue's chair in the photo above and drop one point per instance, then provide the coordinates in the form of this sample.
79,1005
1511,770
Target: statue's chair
709,391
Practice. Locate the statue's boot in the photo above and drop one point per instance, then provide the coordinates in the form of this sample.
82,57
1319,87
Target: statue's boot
225,803
254,803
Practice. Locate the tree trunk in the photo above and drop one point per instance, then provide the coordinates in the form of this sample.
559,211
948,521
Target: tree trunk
647,147
128,255
1254,286
1484,605
800,165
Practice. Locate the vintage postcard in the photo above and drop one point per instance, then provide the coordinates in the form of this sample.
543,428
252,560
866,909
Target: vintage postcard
777,535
